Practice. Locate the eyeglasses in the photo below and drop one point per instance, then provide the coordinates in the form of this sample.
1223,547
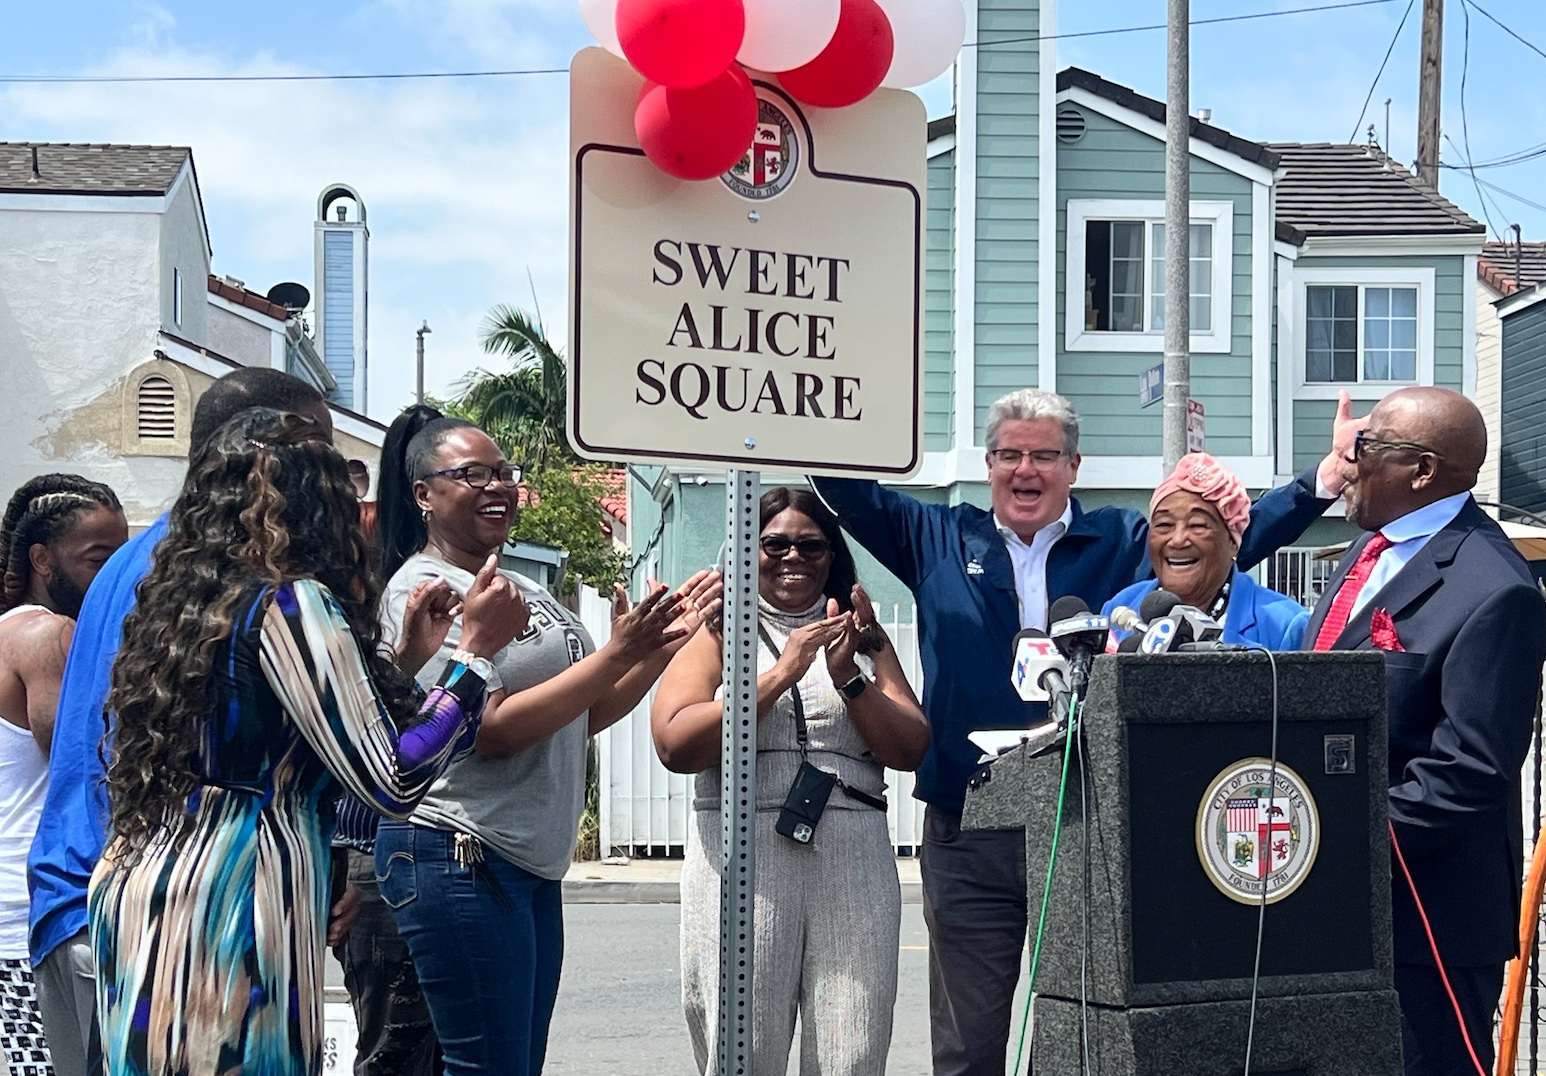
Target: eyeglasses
479,475
1363,443
1042,459
777,546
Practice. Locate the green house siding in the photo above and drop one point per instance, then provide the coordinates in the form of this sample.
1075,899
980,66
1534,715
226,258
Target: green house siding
939,306
1312,418
1008,193
1113,161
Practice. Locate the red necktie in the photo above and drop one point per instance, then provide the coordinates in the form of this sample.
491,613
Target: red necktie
1347,594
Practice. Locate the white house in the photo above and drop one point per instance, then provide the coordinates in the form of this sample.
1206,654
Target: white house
111,324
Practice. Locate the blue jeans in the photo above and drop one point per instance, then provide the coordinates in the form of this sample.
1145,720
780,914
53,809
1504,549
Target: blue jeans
488,942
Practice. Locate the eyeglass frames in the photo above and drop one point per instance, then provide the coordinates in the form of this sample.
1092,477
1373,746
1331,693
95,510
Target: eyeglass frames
777,546
479,475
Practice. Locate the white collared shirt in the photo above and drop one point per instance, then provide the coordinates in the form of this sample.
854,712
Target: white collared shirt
1030,565
1408,535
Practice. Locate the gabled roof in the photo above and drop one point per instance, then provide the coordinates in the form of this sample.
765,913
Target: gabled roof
1501,263
250,299
1077,78
71,168
1330,190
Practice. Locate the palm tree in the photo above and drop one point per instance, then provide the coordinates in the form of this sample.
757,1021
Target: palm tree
523,408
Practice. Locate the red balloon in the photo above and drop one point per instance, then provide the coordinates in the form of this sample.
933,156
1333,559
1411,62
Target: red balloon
680,43
698,133
852,65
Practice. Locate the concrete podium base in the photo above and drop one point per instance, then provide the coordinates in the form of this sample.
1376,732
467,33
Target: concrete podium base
1350,1034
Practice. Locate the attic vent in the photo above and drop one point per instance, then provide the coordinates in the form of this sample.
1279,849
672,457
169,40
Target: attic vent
1070,124
157,410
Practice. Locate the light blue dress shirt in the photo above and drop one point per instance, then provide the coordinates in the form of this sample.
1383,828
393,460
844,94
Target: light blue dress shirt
1408,535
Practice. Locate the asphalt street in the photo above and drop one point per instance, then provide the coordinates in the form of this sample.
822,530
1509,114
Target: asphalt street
619,1008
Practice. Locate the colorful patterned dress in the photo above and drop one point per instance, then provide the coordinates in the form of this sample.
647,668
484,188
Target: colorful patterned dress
210,955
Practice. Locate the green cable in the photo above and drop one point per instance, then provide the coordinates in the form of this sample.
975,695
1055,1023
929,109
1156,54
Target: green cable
1046,891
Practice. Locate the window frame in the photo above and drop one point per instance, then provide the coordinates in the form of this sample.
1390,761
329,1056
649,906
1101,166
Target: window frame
1422,279
1219,339
177,297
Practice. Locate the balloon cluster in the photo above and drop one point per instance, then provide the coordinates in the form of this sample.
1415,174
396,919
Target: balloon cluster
697,113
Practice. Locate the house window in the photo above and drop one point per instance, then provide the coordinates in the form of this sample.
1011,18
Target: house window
1359,329
156,409
1360,333
1116,276
177,297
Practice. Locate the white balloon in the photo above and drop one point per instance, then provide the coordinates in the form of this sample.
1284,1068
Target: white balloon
784,34
928,35
601,20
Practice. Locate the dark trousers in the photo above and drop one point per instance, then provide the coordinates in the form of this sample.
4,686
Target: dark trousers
396,1037
488,942
1430,1030
974,905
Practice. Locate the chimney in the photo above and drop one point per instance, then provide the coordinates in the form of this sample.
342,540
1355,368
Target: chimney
36,177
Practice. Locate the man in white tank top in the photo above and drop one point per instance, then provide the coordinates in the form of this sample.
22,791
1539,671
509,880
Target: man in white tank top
57,532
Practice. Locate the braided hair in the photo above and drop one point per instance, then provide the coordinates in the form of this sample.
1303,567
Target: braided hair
41,512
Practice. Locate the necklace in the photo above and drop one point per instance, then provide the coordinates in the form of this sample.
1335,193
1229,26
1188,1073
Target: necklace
1220,603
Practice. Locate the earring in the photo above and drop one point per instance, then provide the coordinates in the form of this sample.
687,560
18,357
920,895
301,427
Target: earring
424,514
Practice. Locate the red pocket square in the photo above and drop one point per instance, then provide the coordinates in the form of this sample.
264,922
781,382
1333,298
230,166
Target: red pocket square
1382,632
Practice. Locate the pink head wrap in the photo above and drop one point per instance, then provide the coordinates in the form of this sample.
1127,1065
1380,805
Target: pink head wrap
1200,473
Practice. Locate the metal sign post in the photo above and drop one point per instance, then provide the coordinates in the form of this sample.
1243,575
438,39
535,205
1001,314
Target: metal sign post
738,775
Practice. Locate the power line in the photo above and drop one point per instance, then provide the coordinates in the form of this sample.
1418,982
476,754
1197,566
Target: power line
1195,22
1532,47
407,75
1363,111
1510,194
1465,125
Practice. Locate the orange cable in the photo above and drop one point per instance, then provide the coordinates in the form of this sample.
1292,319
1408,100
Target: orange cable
1465,1032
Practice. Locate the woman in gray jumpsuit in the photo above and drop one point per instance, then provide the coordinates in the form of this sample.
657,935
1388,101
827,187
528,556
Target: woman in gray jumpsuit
828,909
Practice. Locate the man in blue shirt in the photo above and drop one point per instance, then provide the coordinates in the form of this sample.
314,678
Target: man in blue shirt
979,577
72,830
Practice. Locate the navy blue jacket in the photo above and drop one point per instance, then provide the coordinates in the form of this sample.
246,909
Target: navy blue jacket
954,561
1460,700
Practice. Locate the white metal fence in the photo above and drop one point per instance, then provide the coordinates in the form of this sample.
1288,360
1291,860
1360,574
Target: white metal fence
645,808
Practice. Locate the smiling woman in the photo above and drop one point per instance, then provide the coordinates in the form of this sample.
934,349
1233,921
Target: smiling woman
833,708
1197,517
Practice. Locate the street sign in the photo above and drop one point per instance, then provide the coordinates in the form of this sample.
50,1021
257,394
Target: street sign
1196,426
767,319
1151,385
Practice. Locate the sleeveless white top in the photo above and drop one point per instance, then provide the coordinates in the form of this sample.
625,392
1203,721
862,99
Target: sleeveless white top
23,784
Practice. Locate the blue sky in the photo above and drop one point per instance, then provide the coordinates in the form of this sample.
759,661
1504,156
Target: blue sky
464,179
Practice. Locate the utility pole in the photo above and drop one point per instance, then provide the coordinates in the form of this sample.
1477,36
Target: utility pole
1178,231
1429,86
420,332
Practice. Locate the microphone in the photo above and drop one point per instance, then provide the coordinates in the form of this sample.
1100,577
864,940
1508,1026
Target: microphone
1039,672
1079,636
1131,644
1185,626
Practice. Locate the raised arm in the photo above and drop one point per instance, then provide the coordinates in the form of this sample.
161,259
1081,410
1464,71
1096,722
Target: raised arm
312,660
905,535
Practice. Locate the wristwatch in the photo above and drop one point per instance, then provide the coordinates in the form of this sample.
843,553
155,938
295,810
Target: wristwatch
855,687
483,668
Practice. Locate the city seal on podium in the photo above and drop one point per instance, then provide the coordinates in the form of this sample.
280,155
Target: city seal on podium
771,163
1256,826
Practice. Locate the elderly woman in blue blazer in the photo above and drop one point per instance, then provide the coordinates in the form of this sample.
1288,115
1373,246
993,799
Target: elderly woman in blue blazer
1196,518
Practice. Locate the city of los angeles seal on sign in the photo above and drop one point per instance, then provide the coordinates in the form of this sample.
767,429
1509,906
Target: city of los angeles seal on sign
1250,832
771,163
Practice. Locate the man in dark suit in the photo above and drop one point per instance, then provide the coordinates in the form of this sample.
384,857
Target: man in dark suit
1439,587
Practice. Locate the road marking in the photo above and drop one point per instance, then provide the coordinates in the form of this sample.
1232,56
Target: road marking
915,948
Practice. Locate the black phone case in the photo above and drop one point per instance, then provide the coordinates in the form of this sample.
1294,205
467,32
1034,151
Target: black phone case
805,803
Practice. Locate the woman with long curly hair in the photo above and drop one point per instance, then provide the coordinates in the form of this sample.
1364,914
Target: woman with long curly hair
251,687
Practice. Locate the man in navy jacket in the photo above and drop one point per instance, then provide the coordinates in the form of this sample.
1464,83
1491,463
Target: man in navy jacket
1440,589
979,577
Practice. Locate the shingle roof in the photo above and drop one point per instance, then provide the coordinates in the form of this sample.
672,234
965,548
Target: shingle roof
1349,190
1501,262
70,168
1078,78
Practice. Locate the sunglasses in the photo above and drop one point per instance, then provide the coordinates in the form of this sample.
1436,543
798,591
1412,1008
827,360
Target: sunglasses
1042,459
777,546
1363,443
479,475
